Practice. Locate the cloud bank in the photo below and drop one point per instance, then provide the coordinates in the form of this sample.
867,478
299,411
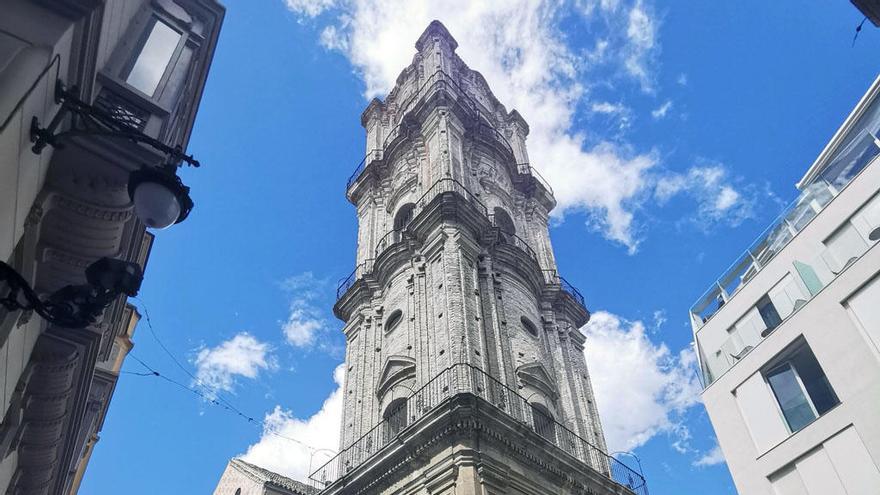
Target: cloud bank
642,389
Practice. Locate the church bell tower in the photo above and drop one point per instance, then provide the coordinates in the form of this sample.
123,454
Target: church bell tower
465,370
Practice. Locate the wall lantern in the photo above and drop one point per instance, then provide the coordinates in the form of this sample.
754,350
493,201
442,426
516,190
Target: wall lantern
74,306
160,198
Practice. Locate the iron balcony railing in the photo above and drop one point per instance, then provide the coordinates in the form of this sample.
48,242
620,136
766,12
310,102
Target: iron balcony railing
438,81
527,169
358,273
507,237
461,379
371,156
450,185
554,278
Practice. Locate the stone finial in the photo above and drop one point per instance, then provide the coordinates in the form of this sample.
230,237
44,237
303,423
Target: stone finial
435,29
518,120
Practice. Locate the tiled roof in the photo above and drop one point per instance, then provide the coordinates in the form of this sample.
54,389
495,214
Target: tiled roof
273,478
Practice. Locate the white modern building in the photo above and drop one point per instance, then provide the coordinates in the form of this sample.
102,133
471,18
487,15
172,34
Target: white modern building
788,337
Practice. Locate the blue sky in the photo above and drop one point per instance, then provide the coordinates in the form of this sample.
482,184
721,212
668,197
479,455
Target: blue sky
672,132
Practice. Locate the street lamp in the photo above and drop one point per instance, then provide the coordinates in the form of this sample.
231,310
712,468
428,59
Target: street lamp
74,306
160,198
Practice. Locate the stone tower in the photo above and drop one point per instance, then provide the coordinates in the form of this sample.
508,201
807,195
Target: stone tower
465,365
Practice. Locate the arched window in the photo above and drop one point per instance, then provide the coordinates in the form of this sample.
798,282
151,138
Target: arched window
404,216
238,491
542,422
529,326
393,320
503,221
395,418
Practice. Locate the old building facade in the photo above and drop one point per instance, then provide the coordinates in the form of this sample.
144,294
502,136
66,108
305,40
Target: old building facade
80,74
465,364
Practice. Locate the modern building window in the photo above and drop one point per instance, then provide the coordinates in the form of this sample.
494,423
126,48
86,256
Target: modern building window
801,388
768,312
529,326
156,53
393,320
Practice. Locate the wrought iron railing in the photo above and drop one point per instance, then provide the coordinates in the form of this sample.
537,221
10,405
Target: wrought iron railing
507,237
358,272
527,169
434,83
553,277
372,155
446,185
387,240
460,379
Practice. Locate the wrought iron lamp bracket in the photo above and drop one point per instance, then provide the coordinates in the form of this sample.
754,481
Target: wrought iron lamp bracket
88,120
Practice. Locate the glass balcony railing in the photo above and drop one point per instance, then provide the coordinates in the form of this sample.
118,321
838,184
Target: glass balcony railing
787,225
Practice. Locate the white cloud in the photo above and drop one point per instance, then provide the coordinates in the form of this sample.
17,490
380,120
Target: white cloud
242,355
718,200
642,389
661,111
305,321
608,108
711,458
319,431
682,79
309,8
519,49
642,32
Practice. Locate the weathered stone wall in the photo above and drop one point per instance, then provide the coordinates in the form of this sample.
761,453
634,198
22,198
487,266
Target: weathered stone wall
466,291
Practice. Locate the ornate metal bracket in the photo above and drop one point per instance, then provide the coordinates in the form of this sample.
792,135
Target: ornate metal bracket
73,306
88,120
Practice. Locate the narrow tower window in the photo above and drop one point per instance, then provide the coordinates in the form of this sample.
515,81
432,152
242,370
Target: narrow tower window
503,221
395,418
404,216
543,422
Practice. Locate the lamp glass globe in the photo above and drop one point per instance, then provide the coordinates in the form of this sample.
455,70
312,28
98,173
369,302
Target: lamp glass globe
156,205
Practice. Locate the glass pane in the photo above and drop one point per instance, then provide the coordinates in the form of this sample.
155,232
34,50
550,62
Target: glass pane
791,398
153,59
814,380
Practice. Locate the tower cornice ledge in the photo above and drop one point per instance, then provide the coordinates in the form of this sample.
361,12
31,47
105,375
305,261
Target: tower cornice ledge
468,440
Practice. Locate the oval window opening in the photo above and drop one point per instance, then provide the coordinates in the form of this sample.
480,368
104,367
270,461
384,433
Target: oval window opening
529,326
393,320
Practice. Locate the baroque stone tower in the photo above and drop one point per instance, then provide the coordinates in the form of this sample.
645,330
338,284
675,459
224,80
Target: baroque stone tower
465,365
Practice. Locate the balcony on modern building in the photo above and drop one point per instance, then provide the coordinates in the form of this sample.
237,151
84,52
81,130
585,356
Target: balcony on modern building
441,406
818,237
491,227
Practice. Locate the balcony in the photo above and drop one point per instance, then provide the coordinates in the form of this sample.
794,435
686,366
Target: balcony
795,216
462,380
840,245
444,186
439,82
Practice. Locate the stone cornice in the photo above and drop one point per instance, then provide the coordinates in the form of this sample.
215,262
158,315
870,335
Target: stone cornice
467,420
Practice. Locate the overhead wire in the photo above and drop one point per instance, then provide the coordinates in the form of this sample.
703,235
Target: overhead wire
213,396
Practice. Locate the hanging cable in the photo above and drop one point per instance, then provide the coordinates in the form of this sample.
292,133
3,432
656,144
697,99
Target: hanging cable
266,427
